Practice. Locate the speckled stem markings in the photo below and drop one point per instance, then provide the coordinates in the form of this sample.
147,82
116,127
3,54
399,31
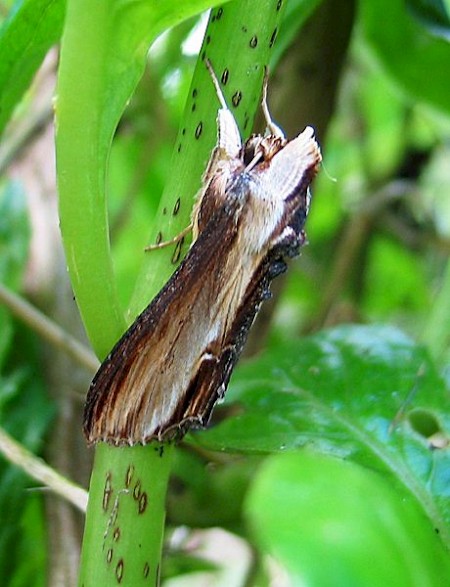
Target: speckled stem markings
238,42
111,546
128,552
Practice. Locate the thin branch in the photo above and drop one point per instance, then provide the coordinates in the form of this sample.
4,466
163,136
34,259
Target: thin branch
48,329
36,468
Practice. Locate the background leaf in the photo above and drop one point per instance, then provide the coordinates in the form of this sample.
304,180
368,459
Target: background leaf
408,51
22,541
31,28
326,518
347,392
433,14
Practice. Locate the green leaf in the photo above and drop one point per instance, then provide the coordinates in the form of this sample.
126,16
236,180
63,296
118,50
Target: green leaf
333,523
14,243
21,395
414,58
32,27
432,14
14,234
25,409
347,392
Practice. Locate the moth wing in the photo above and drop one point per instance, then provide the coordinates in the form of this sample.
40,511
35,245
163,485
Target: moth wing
144,388
293,167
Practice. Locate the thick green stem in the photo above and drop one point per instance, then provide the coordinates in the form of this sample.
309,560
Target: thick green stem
437,331
129,484
82,147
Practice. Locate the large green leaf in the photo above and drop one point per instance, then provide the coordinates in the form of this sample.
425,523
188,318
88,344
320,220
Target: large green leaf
415,58
432,14
333,523
32,27
367,394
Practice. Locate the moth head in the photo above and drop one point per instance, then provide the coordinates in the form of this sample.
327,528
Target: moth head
258,149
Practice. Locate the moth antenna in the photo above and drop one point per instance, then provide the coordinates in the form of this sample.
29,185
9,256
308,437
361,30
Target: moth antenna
216,84
273,128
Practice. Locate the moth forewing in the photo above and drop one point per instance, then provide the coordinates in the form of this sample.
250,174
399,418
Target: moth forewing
293,167
284,176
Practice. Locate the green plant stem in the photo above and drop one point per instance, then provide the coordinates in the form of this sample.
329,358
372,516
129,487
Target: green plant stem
129,484
82,143
436,334
238,42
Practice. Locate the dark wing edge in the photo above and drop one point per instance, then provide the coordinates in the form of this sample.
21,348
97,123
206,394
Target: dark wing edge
105,398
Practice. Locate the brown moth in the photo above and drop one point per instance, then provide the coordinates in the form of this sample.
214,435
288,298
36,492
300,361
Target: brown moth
174,362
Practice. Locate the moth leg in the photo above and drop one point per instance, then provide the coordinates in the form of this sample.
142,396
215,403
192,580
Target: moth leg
273,128
173,241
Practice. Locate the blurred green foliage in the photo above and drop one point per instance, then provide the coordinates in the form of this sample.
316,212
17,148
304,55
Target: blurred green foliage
370,402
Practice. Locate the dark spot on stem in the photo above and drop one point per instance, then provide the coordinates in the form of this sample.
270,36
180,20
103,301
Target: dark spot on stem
224,77
160,449
279,4
109,555
130,470
137,490
116,534
146,570
107,492
253,42
273,38
142,503
176,208
198,130
119,570
177,252
193,107
179,147
158,240
219,13
236,99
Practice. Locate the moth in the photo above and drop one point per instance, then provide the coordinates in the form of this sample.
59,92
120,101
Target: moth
174,363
